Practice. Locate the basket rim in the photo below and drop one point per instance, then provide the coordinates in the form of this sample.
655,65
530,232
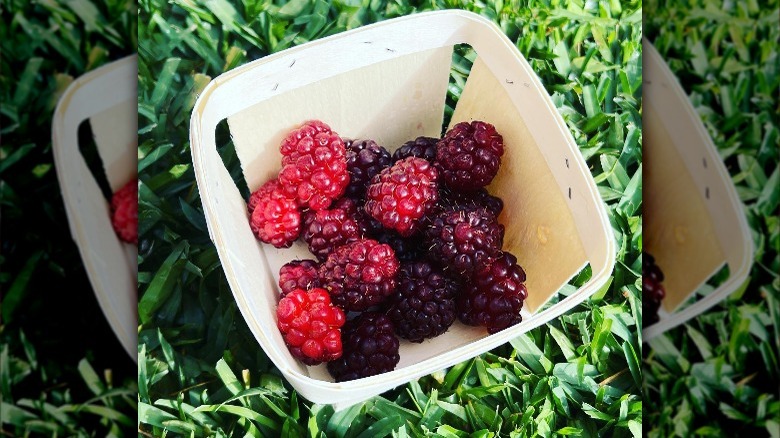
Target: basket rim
319,388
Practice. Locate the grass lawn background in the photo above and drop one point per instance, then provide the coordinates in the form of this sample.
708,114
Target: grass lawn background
202,372
715,376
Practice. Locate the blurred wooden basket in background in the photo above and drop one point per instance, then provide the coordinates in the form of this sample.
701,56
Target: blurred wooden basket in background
106,98
693,222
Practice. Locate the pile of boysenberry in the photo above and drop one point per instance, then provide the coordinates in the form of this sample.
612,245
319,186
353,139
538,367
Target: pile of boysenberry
404,244
653,291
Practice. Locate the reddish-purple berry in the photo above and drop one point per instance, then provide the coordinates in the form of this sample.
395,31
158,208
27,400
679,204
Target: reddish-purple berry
314,166
298,274
328,229
421,147
462,241
653,291
360,274
494,296
401,195
469,155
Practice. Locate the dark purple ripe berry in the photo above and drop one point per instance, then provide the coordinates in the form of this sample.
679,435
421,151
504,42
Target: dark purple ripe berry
469,155
494,296
370,348
365,158
423,305
462,241
653,291
421,147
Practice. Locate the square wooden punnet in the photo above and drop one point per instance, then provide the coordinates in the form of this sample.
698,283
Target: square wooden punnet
388,82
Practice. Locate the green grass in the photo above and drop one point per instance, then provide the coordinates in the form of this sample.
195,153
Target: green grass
201,372
718,374
54,341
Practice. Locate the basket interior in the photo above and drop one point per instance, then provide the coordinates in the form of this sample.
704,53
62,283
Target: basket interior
679,230
392,102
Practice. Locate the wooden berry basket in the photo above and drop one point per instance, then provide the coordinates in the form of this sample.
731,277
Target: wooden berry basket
107,99
388,82
693,222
